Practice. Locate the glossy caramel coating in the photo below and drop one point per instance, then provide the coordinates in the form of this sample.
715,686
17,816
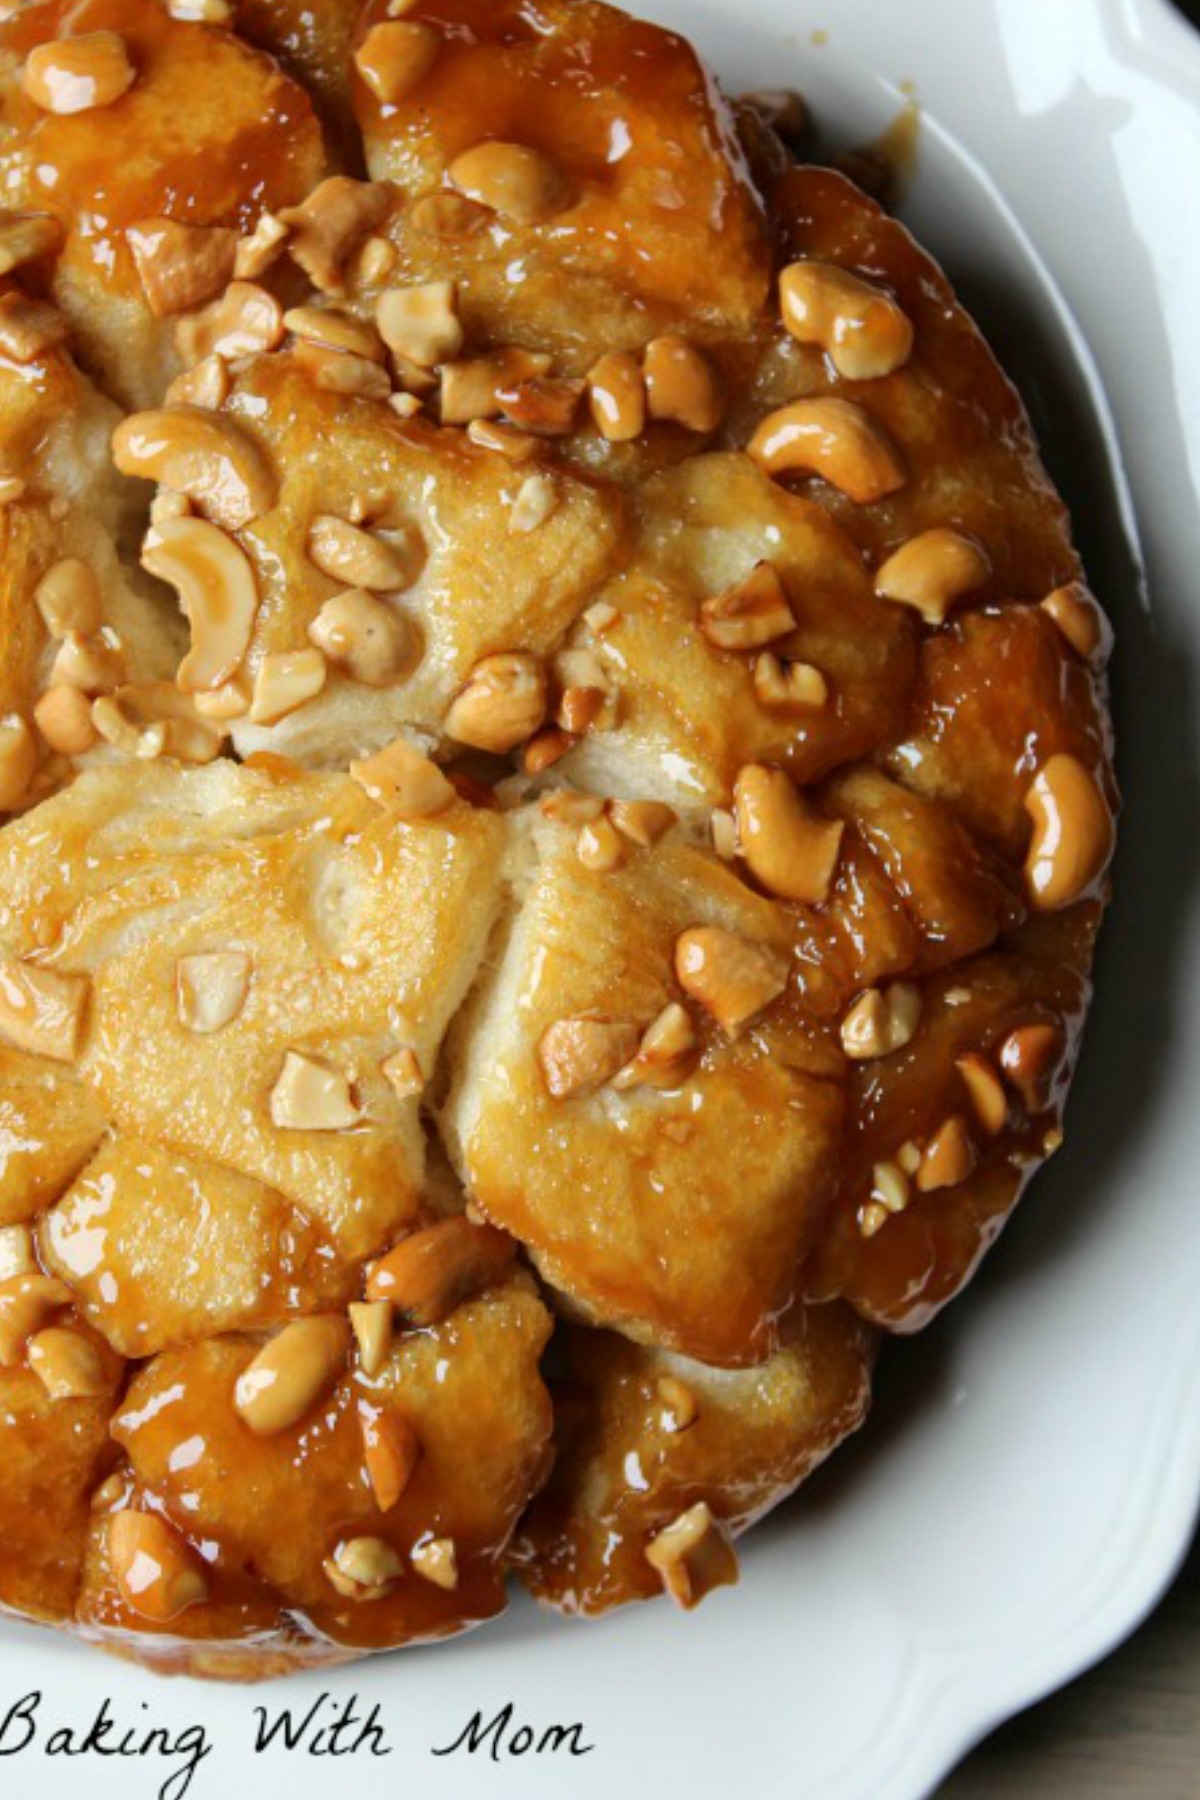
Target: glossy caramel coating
634,1451
211,133
470,1390
53,1454
971,459
925,1254
957,894
138,1212
630,115
50,1121
311,39
999,693
131,869
678,1216
479,587
690,716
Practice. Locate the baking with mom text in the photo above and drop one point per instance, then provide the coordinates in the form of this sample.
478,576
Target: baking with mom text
325,1728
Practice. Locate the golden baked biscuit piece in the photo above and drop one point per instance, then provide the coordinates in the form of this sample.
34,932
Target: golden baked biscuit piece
141,1212
644,1437
958,894
311,39
50,1122
949,1127
670,1195
967,458
53,1450
76,622
570,139
415,1474
692,699
154,142
401,563
994,688
236,954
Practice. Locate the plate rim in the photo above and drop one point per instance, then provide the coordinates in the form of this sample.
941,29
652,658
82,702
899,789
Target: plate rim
963,1687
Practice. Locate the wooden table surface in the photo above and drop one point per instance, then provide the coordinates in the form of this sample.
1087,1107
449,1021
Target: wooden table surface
1128,1730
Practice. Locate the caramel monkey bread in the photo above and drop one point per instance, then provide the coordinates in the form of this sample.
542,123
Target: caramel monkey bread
557,790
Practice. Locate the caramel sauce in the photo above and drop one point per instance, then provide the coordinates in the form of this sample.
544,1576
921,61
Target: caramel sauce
203,139
627,111
625,1469
887,164
227,1491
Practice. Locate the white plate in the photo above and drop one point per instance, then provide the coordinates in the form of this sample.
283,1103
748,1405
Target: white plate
1030,1478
